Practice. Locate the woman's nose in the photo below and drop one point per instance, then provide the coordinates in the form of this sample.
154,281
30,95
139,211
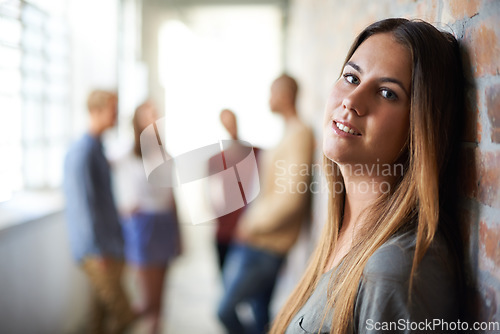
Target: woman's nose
356,101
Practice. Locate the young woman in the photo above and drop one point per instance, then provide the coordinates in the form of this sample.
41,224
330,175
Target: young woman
150,224
389,258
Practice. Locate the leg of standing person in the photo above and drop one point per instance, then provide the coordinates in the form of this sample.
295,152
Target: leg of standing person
247,271
97,323
151,280
222,249
233,275
270,265
152,241
105,276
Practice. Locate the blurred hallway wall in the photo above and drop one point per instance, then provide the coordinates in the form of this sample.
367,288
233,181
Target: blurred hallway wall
41,289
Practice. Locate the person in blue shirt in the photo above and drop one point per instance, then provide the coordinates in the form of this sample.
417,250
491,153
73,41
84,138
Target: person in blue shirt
93,224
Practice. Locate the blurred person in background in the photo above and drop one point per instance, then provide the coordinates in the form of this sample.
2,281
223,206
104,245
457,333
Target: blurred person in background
150,225
226,224
95,232
271,225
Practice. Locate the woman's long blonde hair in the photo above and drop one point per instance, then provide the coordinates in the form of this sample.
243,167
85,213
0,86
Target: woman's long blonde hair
422,198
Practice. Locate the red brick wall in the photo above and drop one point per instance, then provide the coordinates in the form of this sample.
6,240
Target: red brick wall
319,35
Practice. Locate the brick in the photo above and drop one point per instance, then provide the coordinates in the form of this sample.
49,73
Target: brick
480,175
479,130
458,9
488,191
493,107
428,11
486,302
483,45
489,248
495,135
468,172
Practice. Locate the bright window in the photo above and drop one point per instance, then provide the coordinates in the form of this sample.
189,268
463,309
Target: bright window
220,57
34,96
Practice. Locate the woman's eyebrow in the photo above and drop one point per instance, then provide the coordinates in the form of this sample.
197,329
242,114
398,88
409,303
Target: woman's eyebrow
355,66
397,82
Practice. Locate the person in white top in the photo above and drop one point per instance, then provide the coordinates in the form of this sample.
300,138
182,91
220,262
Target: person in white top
150,224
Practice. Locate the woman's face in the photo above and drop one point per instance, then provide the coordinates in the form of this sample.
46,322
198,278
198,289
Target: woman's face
367,112
147,116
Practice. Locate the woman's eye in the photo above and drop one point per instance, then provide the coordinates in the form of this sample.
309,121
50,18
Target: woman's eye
351,79
389,94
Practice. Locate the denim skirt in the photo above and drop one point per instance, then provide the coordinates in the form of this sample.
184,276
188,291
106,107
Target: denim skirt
151,238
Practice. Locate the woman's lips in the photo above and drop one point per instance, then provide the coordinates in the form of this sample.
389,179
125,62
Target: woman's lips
344,128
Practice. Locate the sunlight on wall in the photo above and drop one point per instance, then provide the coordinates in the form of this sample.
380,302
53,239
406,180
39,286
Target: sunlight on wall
218,57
